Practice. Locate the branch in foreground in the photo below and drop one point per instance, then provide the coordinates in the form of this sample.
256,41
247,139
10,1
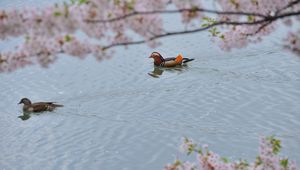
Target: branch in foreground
267,20
195,9
135,13
267,158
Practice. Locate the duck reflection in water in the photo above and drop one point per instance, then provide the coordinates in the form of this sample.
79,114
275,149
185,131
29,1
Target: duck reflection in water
158,71
36,108
25,116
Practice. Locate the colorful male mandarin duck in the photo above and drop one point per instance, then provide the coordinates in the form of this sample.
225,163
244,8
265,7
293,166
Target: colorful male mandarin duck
39,106
168,62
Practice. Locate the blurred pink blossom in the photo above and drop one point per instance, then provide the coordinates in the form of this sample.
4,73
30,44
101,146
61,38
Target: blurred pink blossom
268,158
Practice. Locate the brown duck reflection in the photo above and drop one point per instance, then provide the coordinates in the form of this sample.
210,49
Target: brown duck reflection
25,116
158,71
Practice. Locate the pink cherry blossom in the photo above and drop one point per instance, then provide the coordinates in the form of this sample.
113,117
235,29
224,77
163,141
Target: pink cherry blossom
268,158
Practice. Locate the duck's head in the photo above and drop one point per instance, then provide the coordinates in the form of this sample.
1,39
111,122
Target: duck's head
155,55
25,101
158,59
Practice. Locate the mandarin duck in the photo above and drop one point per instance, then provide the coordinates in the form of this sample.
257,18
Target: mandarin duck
169,62
39,106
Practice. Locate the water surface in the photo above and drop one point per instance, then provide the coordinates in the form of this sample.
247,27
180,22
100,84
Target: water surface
117,116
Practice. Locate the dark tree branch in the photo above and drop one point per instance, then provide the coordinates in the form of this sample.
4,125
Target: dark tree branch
174,11
265,21
260,28
135,13
287,6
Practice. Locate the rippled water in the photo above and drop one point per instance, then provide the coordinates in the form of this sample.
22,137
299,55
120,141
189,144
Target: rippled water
124,114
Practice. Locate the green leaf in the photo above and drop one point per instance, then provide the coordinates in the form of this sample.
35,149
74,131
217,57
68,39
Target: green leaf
205,18
109,15
214,31
57,13
255,2
235,3
177,162
208,21
27,38
83,1
130,5
186,140
284,163
276,144
66,8
73,2
191,149
250,18
68,38
258,161
243,164
117,2
191,146
204,25
224,159
194,8
222,37
199,151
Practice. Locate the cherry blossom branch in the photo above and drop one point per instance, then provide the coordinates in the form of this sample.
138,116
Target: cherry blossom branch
267,20
135,13
194,9
267,158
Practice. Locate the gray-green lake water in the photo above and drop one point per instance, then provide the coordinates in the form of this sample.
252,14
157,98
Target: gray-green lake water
117,116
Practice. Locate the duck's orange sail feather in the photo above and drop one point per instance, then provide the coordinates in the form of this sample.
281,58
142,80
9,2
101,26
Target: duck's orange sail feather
179,59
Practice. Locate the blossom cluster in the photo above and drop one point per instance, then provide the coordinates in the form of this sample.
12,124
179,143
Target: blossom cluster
242,35
44,51
54,29
293,42
267,158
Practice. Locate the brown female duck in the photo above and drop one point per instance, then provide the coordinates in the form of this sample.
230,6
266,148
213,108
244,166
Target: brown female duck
169,62
39,106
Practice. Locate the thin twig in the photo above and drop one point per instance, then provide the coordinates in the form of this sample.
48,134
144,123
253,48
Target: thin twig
260,28
287,6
